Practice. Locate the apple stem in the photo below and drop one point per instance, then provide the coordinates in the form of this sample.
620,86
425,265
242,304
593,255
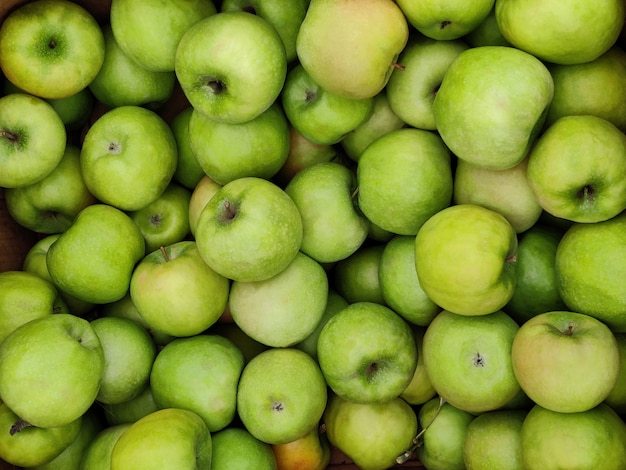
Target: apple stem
10,136
18,426
511,259
165,255
398,66
417,440
569,331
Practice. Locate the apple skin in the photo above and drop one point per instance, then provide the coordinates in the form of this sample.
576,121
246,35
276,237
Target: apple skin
473,118
555,359
132,410
356,278
420,389
309,452
575,166
200,196
188,171
97,455
487,33
51,48
235,447
57,377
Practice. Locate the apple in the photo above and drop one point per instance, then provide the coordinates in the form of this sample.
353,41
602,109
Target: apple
491,105
468,360
487,33
555,359
226,151
320,115
250,230
309,452
404,177
281,395
350,48
236,83
97,455
199,374
420,388
616,398
32,139
51,48
188,171
128,157
574,169
56,378
51,204
149,32
324,194
235,447
101,236
572,33
372,435
131,410
166,438
175,291
367,353
356,278
465,259
200,195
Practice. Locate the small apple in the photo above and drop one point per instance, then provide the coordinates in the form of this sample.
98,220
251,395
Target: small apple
487,33
420,389
188,171
309,452
235,447
132,410
97,455
356,278
248,346
201,194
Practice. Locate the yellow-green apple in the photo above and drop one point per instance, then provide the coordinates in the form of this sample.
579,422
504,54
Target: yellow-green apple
51,204
372,435
281,395
589,439
51,369
367,353
132,410
250,230
149,31
404,177
350,48
238,82
420,389
309,452
199,374
320,115
571,32
468,359
235,447
188,171
166,438
491,105
575,169
465,259
284,309
97,455
51,48
32,139
101,236
356,277
487,33
555,359
200,196
324,193
128,157
617,398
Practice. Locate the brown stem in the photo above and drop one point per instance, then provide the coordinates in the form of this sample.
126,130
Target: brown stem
18,426
165,255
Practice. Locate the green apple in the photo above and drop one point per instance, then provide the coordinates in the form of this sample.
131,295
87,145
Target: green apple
468,359
51,48
122,81
617,398
595,87
248,346
555,359
420,389
465,259
572,33
589,439
399,282
281,395
404,177
507,192
491,105
226,151
176,292
199,374
311,451
51,204
128,157
372,435
131,410
356,278
321,115
97,455
200,196
165,220
235,447
590,266
284,309
149,31
51,369
367,353
324,195
32,139
250,230
167,438
349,48
93,260
231,66
188,171
412,90
487,33
129,352
574,169
445,20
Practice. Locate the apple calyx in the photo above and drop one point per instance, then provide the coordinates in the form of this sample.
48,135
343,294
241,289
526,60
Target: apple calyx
18,426
444,24
478,360
277,406
11,136
115,148
418,440
215,86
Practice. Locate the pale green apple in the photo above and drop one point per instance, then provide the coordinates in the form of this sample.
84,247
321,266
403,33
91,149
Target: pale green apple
465,259
200,196
491,105
617,398
132,410
188,171
575,169
420,389
97,455
235,447
356,278
404,177
349,48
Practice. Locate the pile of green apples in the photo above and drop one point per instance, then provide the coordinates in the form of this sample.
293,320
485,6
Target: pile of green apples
269,228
